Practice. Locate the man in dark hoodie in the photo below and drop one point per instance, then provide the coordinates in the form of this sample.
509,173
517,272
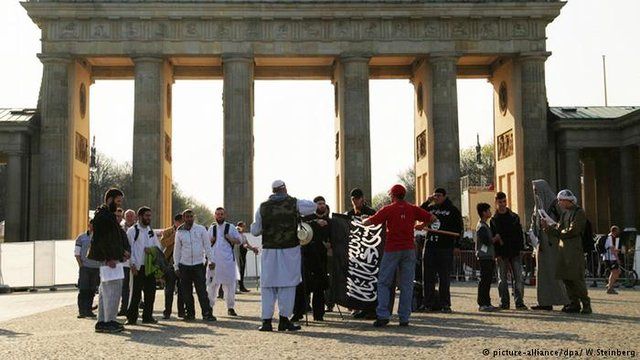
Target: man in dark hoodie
109,246
506,224
437,256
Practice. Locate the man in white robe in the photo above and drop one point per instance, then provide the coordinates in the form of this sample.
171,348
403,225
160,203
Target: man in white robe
277,220
223,237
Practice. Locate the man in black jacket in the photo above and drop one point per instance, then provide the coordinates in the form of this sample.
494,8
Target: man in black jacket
314,264
110,246
506,224
437,256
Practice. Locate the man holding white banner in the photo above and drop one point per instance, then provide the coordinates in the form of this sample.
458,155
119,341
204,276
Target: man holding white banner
399,253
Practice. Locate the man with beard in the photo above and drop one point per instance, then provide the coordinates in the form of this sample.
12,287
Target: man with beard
172,280
88,274
314,264
142,240
189,251
277,221
224,273
129,220
437,256
110,246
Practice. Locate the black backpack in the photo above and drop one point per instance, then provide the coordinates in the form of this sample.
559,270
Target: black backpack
600,244
587,238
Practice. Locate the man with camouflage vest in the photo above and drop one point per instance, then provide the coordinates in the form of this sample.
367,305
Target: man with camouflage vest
277,221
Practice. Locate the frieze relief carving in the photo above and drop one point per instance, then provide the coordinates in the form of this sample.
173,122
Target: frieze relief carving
296,30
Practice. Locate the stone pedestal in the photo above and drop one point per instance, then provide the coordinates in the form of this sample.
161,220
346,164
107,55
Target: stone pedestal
152,139
14,208
353,146
444,121
238,137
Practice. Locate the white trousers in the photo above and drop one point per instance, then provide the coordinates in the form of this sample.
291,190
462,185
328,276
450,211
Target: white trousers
286,297
229,294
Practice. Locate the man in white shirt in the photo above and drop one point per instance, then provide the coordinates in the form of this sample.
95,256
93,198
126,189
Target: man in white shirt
129,220
190,249
223,237
611,258
142,239
277,221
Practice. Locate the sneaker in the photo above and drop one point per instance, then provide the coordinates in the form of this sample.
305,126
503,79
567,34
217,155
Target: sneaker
231,312
101,327
266,325
286,325
113,327
381,322
487,308
522,307
210,318
446,310
612,291
149,321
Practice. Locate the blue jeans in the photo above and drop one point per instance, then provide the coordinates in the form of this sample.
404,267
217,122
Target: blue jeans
513,265
405,260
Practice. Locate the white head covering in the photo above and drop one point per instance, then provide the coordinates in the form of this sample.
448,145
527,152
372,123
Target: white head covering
277,184
566,194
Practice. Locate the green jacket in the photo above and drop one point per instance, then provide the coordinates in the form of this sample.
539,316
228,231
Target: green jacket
155,263
571,262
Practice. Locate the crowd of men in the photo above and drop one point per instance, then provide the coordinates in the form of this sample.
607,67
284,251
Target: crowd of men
123,258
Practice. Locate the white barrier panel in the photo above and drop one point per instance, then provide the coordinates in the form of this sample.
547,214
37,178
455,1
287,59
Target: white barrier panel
66,266
251,269
44,269
17,264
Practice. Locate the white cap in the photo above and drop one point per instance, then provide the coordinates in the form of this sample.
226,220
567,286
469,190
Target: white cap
566,194
277,184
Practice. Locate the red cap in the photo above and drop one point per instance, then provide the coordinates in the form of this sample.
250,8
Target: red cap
397,190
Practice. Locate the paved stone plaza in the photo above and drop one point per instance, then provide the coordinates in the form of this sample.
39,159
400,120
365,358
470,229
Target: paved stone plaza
57,334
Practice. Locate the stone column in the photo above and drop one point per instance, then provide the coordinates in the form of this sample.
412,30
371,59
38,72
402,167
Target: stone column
446,142
152,139
628,192
238,136
534,124
353,161
571,172
56,149
15,207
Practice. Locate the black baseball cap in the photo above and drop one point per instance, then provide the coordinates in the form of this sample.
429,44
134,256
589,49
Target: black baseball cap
357,193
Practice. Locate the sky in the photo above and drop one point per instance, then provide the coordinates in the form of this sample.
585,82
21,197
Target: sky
585,30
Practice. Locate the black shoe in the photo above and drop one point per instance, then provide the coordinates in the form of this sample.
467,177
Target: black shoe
188,318
181,315
244,290
210,318
446,310
359,314
522,307
94,307
286,325
296,317
113,327
505,306
81,316
319,318
571,308
542,307
116,324
122,313
231,312
149,321
381,322
131,322
586,307
166,315
266,325
404,323
432,309
101,327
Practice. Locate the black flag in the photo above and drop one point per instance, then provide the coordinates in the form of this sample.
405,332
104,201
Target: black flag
357,251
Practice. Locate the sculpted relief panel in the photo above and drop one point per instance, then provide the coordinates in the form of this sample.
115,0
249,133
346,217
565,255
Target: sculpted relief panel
294,29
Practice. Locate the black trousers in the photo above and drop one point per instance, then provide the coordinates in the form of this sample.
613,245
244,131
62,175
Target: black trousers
487,268
88,282
242,265
124,303
146,284
302,301
437,262
191,276
172,282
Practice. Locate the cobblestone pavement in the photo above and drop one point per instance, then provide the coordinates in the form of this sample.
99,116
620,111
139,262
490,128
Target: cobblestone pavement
466,333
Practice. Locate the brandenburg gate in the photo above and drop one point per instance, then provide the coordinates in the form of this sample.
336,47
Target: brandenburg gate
430,42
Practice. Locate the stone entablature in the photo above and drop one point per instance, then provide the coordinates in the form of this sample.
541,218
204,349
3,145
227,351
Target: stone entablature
84,28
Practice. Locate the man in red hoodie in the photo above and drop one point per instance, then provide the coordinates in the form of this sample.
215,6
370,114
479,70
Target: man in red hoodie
399,253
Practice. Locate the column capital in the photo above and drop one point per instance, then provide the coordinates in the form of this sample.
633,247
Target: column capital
49,58
237,57
534,56
443,56
153,58
355,57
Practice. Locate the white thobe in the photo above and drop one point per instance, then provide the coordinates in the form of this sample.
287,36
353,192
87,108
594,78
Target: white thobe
226,271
